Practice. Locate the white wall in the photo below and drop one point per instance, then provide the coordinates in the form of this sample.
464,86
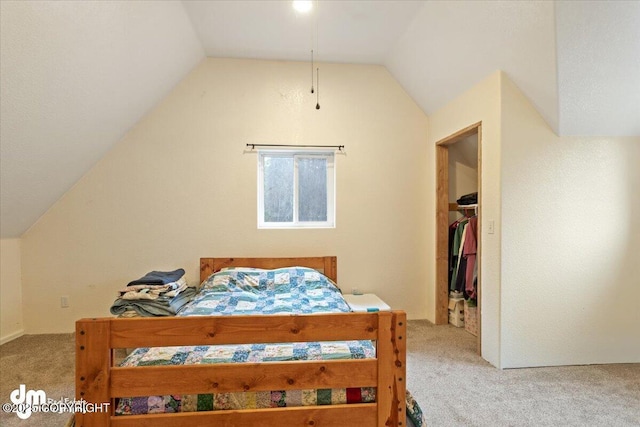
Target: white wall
560,276
570,243
480,103
463,170
11,324
180,186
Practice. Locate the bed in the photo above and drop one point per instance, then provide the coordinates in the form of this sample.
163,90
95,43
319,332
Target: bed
378,371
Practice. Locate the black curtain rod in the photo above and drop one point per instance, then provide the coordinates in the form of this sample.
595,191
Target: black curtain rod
253,146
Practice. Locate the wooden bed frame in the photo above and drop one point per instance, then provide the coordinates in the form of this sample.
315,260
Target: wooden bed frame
99,381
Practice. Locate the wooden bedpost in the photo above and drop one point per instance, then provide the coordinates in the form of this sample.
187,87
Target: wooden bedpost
93,364
392,368
331,268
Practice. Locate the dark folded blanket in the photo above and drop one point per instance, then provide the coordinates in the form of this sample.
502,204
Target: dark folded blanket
159,277
468,199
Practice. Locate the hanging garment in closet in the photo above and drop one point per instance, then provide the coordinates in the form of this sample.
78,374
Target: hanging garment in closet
455,255
455,236
450,262
469,253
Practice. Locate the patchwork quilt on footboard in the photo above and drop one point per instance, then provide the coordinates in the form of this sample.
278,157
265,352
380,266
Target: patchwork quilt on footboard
246,353
253,291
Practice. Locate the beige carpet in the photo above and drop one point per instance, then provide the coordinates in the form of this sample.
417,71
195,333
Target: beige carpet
41,362
454,386
457,388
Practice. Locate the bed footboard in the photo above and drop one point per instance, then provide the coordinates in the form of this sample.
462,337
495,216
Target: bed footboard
99,381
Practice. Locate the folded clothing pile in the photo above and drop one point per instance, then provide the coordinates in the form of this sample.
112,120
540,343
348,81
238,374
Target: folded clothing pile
158,293
468,199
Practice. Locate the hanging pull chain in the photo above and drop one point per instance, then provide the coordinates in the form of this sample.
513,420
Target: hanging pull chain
311,70
317,88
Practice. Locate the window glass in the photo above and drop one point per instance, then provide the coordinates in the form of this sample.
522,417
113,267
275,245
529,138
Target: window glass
312,189
296,189
278,189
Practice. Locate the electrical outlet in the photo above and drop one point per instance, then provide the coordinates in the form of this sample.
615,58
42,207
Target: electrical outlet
356,291
492,227
64,302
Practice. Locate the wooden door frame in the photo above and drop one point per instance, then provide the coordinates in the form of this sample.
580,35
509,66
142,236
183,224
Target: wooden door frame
442,221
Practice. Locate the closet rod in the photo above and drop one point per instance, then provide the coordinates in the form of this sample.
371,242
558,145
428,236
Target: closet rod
253,146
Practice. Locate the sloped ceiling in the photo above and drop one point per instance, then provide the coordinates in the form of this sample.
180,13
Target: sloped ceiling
75,76
451,46
599,67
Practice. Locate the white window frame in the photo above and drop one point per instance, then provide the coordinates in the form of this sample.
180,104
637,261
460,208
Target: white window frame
331,189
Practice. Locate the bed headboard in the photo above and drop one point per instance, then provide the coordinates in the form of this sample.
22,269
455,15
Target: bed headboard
327,265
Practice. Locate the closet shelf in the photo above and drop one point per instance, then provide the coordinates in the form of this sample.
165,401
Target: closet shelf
456,207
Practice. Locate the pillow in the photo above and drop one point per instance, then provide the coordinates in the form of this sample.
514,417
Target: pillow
259,279
247,269
230,278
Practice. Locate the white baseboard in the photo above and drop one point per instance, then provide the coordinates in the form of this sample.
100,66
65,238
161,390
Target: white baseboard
11,337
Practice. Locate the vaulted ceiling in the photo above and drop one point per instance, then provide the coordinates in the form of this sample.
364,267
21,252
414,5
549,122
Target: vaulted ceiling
76,76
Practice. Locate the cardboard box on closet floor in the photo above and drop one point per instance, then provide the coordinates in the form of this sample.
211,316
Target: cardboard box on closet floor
456,312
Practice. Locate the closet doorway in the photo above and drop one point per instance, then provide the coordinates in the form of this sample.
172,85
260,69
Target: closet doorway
444,205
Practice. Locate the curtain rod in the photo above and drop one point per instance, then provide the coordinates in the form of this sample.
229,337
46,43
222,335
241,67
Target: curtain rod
253,146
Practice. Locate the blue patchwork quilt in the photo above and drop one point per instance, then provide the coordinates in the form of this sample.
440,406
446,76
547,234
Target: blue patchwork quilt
251,291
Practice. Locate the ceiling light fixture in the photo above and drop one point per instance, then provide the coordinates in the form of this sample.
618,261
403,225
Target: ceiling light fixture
302,6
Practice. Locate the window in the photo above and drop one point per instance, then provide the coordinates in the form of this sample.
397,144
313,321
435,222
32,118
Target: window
296,189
